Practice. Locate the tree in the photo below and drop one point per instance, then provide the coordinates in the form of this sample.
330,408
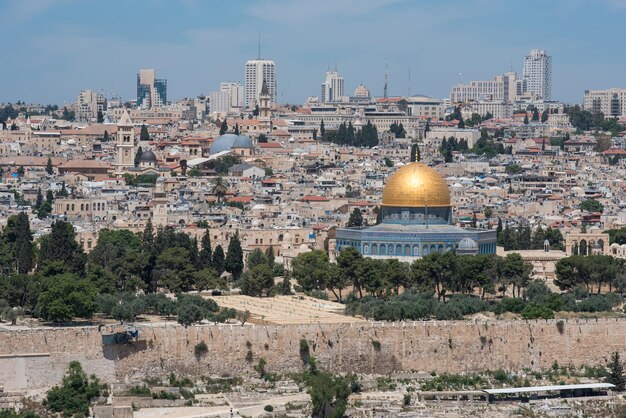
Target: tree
39,199
66,297
329,395
234,257
20,171
592,205
515,272
616,372
223,127
415,152
474,220
258,281
544,116
322,130
535,115
144,136
236,129
176,269
19,238
49,168
206,253
138,156
100,117
105,137
49,196
255,258
311,270
356,218
61,245
256,111
526,120
218,260
72,397
262,139
63,192
220,187
348,260
269,253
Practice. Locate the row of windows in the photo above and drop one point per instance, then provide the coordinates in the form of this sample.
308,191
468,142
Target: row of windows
85,206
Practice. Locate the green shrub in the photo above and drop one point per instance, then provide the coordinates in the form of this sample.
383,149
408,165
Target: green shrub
268,408
535,311
200,349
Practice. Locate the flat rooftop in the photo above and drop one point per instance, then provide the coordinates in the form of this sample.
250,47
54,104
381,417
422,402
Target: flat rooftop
286,310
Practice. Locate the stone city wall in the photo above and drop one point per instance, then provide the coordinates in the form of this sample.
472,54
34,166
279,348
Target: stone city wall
37,358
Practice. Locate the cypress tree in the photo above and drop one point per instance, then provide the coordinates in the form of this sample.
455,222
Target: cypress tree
49,168
218,260
144,135
39,200
234,257
322,130
18,236
224,127
270,257
206,253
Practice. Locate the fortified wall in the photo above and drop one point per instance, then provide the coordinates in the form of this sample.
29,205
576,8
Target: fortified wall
37,358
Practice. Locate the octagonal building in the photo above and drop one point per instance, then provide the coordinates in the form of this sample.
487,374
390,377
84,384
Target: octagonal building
416,221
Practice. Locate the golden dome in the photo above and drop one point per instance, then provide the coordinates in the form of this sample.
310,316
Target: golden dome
416,185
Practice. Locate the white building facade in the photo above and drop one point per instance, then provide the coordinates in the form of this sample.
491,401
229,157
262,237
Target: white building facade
611,102
538,74
256,72
228,99
332,87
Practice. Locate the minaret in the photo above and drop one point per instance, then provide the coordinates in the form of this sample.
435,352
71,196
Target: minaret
125,144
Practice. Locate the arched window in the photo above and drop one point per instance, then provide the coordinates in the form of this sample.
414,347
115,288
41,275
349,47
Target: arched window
582,247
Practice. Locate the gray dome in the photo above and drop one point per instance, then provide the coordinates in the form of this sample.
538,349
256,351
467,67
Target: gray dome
227,142
148,156
467,246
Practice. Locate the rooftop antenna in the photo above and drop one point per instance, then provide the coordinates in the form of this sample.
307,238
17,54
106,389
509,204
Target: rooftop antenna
335,65
386,79
259,53
460,78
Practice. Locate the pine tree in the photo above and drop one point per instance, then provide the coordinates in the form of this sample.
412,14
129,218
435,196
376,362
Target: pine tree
234,257
18,236
218,260
356,218
49,168
49,196
223,127
100,116
236,129
526,120
105,138
499,231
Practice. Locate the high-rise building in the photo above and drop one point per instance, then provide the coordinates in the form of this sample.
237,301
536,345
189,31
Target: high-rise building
538,74
229,98
88,104
611,102
332,87
151,92
256,72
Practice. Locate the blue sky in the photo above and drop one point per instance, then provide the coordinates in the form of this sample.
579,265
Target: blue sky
54,48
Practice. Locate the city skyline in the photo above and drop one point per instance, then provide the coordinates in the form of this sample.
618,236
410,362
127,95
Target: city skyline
71,47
